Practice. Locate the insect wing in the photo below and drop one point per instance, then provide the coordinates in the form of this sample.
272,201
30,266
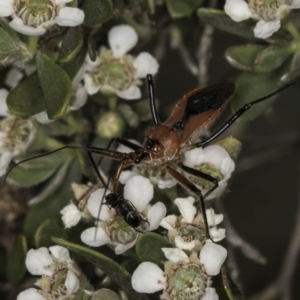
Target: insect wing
199,108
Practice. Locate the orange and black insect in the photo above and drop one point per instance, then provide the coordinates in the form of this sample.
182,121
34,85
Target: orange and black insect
165,143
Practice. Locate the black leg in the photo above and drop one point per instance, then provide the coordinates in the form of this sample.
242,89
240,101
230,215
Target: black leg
190,186
200,174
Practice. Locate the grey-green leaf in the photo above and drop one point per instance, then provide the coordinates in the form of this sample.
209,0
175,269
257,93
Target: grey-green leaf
116,272
148,247
243,57
50,227
219,20
249,87
71,44
27,98
56,85
12,48
16,261
271,58
97,11
179,8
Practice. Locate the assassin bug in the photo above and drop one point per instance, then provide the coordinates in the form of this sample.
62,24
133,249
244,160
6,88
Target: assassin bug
165,143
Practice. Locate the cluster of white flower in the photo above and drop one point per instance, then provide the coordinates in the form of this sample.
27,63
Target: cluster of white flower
60,274
269,15
110,227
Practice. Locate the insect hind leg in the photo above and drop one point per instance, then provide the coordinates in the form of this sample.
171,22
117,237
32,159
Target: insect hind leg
202,175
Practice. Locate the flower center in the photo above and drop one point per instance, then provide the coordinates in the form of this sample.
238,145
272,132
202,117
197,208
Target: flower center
115,74
188,282
15,133
35,12
121,232
207,169
267,9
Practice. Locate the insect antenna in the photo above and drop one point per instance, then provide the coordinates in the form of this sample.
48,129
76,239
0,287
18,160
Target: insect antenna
152,100
237,115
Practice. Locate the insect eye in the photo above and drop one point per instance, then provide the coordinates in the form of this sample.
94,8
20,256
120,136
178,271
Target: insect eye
151,143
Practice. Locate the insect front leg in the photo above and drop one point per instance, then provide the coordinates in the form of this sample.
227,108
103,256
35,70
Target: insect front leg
190,186
200,174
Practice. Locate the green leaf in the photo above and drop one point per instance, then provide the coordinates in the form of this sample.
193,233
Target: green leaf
97,11
71,44
116,272
35,171
27,98
294,72
16,268
271,58
51,227
249,87
219,20
232,290
179,8
12,48
243,57
92,48
56,85
148,247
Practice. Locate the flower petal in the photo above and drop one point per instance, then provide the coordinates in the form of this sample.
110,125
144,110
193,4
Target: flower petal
212,256
38,261
212,218
69,16
210,294
175,255
155,215
133,92
265,29
30,294
80,97
121,39
169,222
148,278
13,77
3,107
60,253
121,248
217,234
145,64
126,175
139,191
95,237
186,208
96,199
6,8
193,157
71,283
183,245
42,118
90,84
295,4
70,215
237,10
18,25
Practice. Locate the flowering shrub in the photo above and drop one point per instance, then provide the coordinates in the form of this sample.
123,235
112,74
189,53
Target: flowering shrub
136,201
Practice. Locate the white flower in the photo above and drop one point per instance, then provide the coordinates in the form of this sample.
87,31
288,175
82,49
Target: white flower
52,266
149,278
212,155
16,134
70,215
268,16
113,228
194,223
114,71
29,19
